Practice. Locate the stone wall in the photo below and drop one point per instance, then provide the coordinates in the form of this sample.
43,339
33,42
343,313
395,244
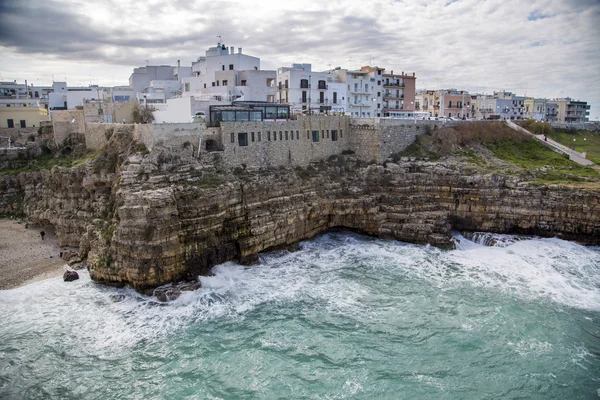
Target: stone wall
395,135
293,144
66,124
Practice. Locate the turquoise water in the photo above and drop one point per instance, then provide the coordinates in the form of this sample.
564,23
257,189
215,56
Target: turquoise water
347,317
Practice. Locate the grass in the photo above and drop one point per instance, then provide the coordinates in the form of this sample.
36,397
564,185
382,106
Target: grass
420,148
532,155
47,161
591,144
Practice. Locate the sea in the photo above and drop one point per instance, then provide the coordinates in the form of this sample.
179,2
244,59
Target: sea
345,317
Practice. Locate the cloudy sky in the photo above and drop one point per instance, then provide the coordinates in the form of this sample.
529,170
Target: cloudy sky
542,48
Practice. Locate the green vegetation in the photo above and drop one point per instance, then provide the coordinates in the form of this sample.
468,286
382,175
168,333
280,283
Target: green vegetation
591,144
537,127
532,155
48,161
539,163
420,148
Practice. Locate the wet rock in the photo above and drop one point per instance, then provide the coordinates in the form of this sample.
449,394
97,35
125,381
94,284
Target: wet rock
189,286
167,293
116,298
70,276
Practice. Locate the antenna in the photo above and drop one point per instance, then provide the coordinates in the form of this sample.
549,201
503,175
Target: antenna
220,40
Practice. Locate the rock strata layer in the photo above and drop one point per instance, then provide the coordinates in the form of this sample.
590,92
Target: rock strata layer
154,221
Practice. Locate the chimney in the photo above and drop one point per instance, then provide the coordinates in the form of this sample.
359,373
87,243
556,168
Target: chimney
239,50
231,50
413,74
402,73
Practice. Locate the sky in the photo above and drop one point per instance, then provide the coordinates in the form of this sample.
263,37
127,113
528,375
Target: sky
539,48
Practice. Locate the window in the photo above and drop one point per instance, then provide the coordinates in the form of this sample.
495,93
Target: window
341,133
217,83
303,83
366,87
379,82
233,138
286,135
230,67
213,84
243,139
334,135
205,86
307,132
450,104
259,136
223,67
187,87
23,123
280,135
269,136
100,111
10,123
315,136
252,136
274,135
322,134
297,135
334,97
243,83
224,82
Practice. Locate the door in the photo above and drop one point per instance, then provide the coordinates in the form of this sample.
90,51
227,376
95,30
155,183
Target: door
10,123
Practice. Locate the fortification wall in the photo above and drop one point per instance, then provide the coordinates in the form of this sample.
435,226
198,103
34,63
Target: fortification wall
396,135
290,143
67,123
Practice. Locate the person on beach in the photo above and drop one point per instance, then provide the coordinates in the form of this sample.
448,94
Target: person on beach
42,234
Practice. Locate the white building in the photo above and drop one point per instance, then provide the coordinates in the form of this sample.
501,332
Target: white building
63,97
304,89
365,91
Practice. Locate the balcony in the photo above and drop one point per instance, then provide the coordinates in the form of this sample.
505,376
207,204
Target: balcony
393,85
322,87
392,109
360,104
359,91
392,97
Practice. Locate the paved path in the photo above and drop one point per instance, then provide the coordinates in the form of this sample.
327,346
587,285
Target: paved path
573,155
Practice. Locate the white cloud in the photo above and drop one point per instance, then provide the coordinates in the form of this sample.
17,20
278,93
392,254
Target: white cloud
545,48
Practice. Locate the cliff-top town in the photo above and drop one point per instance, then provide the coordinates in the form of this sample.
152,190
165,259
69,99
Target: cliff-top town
228,85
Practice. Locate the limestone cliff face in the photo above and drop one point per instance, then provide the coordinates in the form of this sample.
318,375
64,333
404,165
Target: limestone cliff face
177,225
161,218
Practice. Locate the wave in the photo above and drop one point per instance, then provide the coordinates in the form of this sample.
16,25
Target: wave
337,272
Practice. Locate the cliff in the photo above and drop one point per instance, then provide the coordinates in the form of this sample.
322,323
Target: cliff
164,217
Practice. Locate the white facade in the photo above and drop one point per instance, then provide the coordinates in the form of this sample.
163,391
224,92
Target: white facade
64,97
141,77
224,76
365,92
304,89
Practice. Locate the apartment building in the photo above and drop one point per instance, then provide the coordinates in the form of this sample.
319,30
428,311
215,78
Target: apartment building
223,75
569,111
304,89
364,88
445,103
398,92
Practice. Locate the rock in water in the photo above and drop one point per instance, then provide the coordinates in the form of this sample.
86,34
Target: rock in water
167,293
70,276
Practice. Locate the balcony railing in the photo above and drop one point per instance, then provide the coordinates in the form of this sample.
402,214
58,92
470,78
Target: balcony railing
322,87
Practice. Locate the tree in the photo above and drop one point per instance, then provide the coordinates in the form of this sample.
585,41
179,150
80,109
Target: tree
142,115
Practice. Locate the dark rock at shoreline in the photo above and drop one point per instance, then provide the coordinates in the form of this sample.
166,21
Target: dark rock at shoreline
70,276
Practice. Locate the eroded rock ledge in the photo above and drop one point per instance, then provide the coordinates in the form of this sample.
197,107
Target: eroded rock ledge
154,222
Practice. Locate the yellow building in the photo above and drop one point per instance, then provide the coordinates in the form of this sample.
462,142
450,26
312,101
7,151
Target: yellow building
22,117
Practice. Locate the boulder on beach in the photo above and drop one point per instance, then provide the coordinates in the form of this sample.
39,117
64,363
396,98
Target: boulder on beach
70,276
